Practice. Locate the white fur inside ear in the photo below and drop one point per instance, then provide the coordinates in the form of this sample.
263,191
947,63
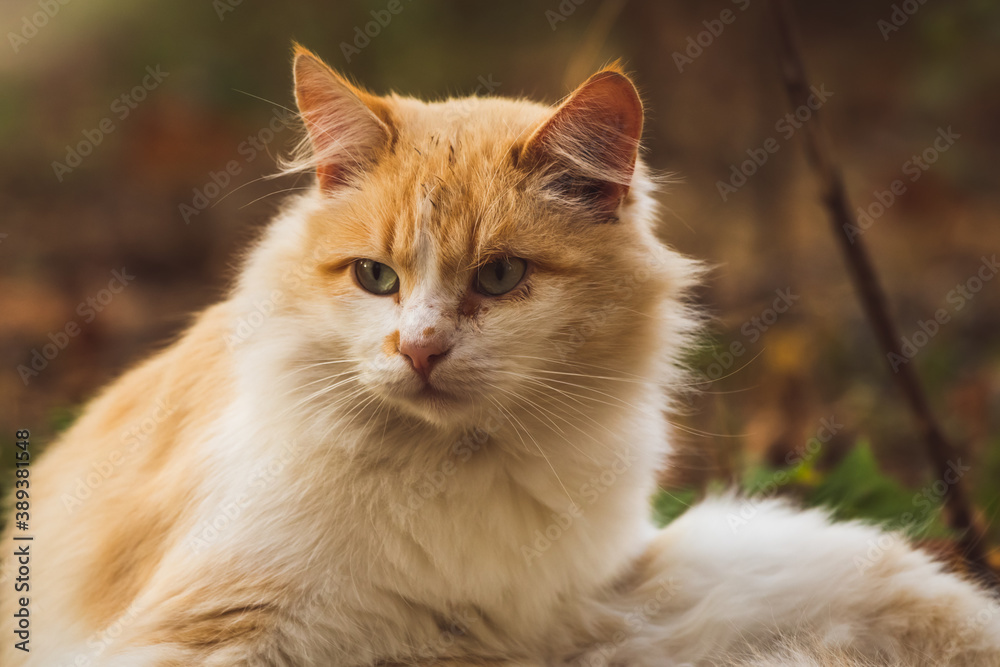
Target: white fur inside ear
595,133
343,134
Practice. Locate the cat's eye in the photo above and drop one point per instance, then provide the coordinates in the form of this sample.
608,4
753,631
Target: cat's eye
500,276
376,277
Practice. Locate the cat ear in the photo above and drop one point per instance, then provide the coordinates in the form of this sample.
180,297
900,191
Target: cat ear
591,142
345,132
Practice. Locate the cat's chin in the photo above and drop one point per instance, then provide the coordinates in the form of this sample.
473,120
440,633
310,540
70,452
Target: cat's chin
436,405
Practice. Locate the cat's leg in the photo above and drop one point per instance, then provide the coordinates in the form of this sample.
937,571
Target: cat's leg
170,655
472,662
204,628
233,654
256,636
723,585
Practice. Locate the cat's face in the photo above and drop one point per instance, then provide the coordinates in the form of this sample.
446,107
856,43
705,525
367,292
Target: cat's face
475,256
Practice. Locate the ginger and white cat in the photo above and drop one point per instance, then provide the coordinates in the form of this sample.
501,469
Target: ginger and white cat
424,429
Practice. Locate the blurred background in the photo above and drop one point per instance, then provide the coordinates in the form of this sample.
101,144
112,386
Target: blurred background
135,137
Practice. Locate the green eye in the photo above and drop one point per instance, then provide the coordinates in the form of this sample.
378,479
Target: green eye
375,277
500,276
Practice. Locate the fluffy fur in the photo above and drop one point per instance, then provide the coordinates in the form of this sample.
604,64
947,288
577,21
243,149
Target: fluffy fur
280,488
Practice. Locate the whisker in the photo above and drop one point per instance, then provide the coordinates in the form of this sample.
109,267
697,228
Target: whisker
514,419
271,194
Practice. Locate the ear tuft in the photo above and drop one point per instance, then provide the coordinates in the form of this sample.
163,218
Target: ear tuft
591,141
345,134
617,66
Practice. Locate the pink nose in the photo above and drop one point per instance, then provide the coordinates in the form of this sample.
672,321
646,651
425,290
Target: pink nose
423,355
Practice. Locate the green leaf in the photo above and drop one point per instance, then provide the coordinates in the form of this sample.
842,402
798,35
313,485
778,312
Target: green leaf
668,505
857,489
61,418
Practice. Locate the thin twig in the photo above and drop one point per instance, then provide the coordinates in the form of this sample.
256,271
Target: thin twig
958,512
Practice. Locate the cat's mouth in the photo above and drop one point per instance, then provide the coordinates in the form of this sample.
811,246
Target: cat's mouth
434,404
428,392
436,399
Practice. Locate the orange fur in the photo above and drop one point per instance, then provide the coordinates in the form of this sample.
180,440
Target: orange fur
116,537
301,494
445,173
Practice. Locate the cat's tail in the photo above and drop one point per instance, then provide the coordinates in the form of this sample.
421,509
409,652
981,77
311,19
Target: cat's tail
754,583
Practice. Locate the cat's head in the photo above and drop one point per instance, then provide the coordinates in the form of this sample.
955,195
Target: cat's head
473,255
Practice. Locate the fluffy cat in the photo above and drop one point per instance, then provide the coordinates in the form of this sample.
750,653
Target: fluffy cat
424,428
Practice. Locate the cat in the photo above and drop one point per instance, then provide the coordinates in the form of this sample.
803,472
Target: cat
424,428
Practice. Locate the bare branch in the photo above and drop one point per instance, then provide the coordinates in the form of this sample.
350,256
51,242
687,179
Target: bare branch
958,511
